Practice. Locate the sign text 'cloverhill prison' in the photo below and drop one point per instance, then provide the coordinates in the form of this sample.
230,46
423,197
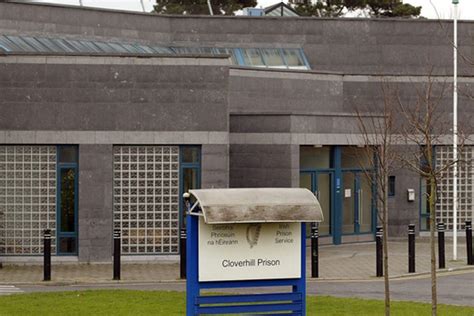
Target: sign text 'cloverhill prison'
248,238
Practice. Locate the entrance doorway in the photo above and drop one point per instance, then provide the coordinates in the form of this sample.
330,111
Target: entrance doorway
344,189
357,203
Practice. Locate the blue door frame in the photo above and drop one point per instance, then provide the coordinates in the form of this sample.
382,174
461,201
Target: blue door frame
336,171
315,189
358,173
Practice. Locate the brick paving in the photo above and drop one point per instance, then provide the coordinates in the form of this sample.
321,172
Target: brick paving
344,262
357,261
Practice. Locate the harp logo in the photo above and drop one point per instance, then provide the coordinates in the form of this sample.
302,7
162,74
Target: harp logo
253,233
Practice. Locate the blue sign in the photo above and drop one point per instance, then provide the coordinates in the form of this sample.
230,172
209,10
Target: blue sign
294,301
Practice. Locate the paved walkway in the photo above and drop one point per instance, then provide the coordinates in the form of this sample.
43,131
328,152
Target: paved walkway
357,261
343,262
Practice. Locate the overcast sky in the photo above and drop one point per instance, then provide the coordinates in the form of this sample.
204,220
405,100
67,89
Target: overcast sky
432,9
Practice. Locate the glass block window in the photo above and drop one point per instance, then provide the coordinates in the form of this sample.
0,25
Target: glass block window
146,198
444,207
27,198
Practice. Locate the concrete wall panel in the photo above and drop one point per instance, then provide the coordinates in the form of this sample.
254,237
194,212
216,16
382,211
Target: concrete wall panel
113,97
95,203
260,166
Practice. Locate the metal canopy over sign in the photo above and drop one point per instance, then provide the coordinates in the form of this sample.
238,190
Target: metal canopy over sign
260,205
248,238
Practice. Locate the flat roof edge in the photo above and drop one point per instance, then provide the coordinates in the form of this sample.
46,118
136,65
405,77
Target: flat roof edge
286,18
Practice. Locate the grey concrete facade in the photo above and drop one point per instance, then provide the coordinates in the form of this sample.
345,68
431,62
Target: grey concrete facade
95,203
250,123
119,101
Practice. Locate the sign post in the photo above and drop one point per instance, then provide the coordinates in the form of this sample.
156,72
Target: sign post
243,248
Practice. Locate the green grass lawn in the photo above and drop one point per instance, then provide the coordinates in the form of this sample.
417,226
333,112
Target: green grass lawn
125,302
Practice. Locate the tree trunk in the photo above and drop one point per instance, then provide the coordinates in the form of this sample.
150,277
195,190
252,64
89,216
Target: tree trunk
385,256
434,297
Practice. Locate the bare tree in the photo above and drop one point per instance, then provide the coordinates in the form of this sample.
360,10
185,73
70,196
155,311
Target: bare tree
426,125
377,129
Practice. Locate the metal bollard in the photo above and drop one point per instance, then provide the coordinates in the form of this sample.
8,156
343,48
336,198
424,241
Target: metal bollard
117,250
182,254
379,251
182,237
441,249
47,255
314,250
411,248
470,260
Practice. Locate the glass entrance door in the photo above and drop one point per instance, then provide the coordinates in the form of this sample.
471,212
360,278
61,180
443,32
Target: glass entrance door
356,203
320,183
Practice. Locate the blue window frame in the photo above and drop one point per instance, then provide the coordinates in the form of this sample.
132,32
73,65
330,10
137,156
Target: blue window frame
189,174
67,200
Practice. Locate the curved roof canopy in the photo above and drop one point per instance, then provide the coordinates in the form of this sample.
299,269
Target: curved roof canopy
259,205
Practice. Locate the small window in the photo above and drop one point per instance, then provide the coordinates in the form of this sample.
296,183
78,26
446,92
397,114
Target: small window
391,186
68,154
190,154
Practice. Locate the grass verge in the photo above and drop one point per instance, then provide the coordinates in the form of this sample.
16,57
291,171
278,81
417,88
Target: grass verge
126,302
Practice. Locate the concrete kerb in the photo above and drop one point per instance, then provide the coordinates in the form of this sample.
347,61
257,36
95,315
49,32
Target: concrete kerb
103,282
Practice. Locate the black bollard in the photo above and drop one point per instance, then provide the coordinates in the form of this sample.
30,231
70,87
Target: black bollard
411,248
182,236
47,255
441,251
117,246
469,242
379,251
182,254
314,250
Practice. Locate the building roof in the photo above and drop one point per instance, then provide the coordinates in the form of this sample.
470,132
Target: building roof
280,9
